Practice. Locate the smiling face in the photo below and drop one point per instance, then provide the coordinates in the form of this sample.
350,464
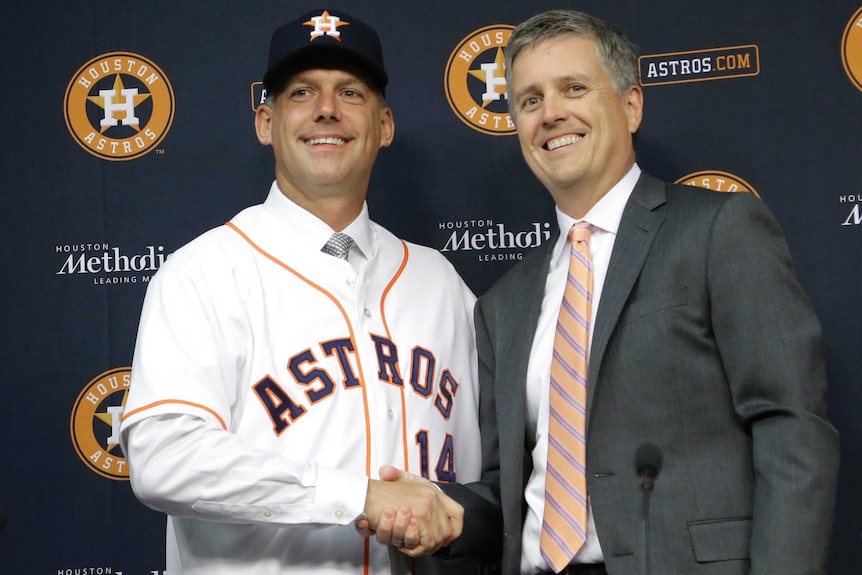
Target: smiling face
325,128
575,130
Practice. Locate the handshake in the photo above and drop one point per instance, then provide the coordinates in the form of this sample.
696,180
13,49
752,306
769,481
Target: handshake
410,513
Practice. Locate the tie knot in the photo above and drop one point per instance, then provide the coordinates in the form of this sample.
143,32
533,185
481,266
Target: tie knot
338,245
581,232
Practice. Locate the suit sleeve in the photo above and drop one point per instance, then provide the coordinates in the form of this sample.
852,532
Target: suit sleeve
770,344
482,535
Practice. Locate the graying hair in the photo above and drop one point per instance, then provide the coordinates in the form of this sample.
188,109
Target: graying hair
616,53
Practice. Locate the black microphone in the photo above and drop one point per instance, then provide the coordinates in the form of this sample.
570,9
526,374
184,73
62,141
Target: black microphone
648,464
648,461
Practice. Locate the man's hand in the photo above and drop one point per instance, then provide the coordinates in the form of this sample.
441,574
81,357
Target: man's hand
410,513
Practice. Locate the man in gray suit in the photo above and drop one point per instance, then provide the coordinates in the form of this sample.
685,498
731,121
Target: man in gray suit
702,343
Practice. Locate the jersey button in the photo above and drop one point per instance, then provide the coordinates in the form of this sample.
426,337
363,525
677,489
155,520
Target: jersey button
351,281
339,513
367,312
390,413
267,513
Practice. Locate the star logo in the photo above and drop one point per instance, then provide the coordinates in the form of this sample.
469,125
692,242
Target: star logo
119,106
475,81
118,99
851,49
325,25
493,74
95,423
718,181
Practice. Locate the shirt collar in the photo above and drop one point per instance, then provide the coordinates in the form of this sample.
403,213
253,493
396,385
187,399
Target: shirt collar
360,230
314,230
607,212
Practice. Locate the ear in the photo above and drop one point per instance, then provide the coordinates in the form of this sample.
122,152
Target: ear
263,124
634,103
387,127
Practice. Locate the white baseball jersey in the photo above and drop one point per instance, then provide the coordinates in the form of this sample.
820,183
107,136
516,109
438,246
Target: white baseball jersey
271,380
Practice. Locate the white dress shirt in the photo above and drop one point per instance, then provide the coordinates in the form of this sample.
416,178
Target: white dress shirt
605,217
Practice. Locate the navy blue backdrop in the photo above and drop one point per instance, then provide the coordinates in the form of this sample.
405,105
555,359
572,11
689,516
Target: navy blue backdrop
740,96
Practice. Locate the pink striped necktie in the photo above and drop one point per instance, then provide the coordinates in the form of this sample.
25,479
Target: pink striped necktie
564,528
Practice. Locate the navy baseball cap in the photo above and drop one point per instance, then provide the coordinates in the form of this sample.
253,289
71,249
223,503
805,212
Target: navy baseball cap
327,39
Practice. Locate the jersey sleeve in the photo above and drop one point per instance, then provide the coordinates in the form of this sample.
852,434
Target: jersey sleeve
186,466
177,432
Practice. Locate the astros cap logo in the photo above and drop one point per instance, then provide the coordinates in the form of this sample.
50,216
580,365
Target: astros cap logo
475,81
325,25
95,423
851,49
718,181
119,106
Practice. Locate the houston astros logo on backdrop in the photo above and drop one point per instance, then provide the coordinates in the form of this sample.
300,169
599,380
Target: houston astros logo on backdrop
718,181
325,25
851,49
119,106
95,423
475,81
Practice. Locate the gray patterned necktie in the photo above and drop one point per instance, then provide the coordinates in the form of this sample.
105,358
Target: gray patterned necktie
338,245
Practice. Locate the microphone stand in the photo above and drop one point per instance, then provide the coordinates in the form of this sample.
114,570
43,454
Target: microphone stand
648,460
646,488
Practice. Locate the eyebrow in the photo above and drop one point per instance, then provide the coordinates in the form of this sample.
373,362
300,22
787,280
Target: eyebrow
345,79
526,90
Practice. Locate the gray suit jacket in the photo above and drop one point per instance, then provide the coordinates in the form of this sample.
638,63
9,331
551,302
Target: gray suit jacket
704,345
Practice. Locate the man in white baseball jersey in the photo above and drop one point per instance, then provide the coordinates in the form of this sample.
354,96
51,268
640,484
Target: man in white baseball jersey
279,364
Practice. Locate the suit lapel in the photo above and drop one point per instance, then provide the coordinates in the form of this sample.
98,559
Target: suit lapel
520,318
638,227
